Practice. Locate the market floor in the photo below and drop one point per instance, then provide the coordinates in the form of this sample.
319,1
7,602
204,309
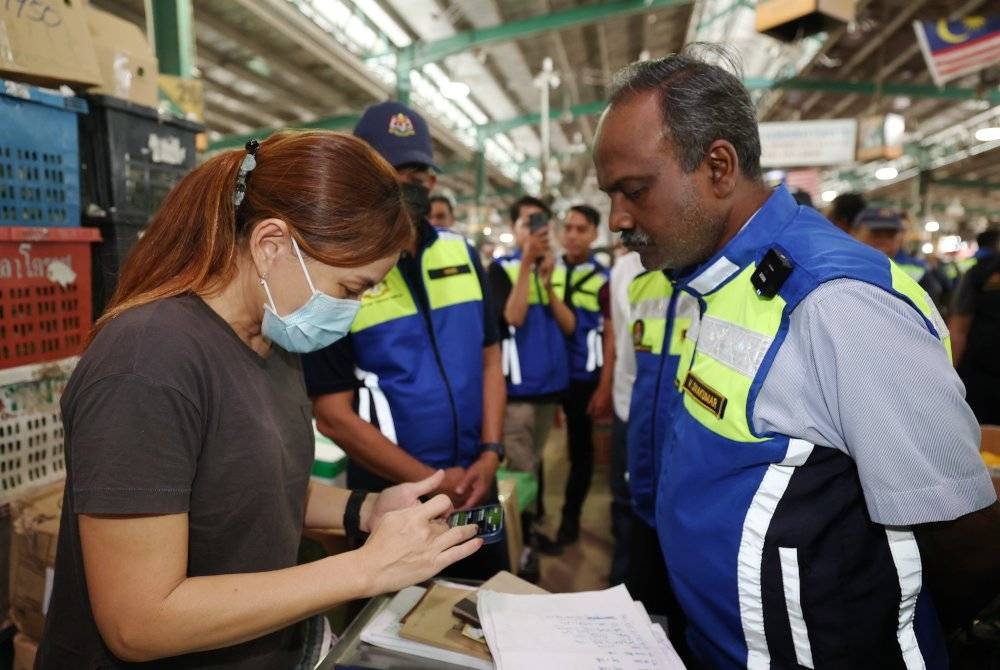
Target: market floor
586,564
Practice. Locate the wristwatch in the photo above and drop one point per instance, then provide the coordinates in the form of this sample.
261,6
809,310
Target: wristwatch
496,447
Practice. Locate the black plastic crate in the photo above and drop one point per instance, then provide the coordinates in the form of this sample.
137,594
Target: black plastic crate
117,240
131,158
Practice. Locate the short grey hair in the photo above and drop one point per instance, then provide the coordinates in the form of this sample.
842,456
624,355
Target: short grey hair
701,102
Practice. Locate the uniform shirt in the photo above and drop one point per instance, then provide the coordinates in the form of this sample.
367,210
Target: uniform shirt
331,370
852,375
625,269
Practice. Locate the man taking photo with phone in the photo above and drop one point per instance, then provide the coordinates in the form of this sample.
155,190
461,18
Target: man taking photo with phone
527,287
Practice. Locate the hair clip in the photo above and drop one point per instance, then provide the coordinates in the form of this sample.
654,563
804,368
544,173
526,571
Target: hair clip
246,167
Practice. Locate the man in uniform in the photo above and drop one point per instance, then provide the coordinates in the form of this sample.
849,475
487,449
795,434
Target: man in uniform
586,293
417,385
815,488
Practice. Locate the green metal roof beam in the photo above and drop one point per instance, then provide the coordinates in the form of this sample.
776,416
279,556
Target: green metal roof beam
966,183
339,122
583,109
432,52
871,88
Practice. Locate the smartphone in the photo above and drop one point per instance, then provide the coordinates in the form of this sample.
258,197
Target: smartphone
488,518
537,221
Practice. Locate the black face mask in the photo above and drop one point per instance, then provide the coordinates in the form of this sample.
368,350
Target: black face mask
417,199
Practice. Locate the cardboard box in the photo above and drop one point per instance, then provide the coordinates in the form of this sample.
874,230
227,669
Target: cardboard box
47,43
507,489
25,650
34,537
129,68
788,20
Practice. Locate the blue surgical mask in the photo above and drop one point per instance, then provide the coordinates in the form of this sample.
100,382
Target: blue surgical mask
320,322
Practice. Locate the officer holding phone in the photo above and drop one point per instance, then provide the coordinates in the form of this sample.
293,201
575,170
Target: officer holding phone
527,287
417,385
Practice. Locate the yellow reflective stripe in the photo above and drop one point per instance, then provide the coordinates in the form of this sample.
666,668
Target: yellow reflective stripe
536,292
735,303
649,297
585,295
915,272
452,289
388,300
903,283
684,335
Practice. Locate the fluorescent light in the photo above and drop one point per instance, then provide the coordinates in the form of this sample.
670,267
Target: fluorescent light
932,226
928,248
828,196
988,134
506,238
455,90
886,173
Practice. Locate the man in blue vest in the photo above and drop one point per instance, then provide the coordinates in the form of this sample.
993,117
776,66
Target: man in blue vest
527,289
417,385
586,293
821,501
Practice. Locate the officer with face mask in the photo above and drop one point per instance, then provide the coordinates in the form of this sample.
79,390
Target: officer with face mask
417,385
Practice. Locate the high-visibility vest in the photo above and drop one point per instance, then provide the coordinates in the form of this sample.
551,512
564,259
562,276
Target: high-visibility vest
535,356
769,543
422,373
586,350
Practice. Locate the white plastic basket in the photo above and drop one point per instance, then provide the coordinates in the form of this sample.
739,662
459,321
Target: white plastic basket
32,450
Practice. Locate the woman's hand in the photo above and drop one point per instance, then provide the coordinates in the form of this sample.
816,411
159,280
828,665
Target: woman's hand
401,496
413,544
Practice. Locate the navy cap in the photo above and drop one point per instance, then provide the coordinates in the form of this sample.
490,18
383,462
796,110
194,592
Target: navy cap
398,133
875,218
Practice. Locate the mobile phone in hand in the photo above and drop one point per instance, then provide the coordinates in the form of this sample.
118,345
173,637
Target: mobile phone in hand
488,520
537,221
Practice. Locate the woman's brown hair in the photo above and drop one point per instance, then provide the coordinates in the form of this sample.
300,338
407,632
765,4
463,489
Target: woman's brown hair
340,198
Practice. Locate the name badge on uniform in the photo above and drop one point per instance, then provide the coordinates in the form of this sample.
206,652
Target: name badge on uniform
705,395
450,271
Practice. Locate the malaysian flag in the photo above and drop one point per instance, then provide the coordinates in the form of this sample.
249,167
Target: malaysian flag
953,49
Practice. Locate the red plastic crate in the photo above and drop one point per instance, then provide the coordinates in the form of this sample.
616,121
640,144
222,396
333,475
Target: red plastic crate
45,293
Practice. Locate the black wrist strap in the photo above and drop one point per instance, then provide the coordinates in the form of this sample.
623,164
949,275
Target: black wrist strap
352,514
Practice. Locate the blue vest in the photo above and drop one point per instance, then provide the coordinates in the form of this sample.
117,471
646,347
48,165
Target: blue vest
770,547
652,304
422,373
586,350
535,356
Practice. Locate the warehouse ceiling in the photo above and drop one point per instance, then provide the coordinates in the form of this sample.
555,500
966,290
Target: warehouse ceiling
273,63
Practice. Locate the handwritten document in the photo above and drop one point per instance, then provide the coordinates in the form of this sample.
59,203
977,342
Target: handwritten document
596,630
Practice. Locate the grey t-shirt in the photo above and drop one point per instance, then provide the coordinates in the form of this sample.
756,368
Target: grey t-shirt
170,412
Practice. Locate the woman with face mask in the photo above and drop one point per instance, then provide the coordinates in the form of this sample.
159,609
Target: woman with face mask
188,436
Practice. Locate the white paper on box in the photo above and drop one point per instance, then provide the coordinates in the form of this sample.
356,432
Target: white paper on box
572,631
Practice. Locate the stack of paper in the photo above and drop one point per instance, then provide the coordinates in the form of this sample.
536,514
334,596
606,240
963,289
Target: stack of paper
594,630
383,631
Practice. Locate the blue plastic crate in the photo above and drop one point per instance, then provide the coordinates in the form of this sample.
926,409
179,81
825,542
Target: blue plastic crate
39,157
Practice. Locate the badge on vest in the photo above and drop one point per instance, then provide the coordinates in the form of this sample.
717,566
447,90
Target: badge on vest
638,332
705,395
451,271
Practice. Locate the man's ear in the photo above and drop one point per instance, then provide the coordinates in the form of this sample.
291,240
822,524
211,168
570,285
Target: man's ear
723,168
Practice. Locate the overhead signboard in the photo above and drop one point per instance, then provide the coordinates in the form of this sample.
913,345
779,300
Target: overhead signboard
808,143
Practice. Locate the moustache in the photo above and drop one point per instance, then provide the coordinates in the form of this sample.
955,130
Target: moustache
636,239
